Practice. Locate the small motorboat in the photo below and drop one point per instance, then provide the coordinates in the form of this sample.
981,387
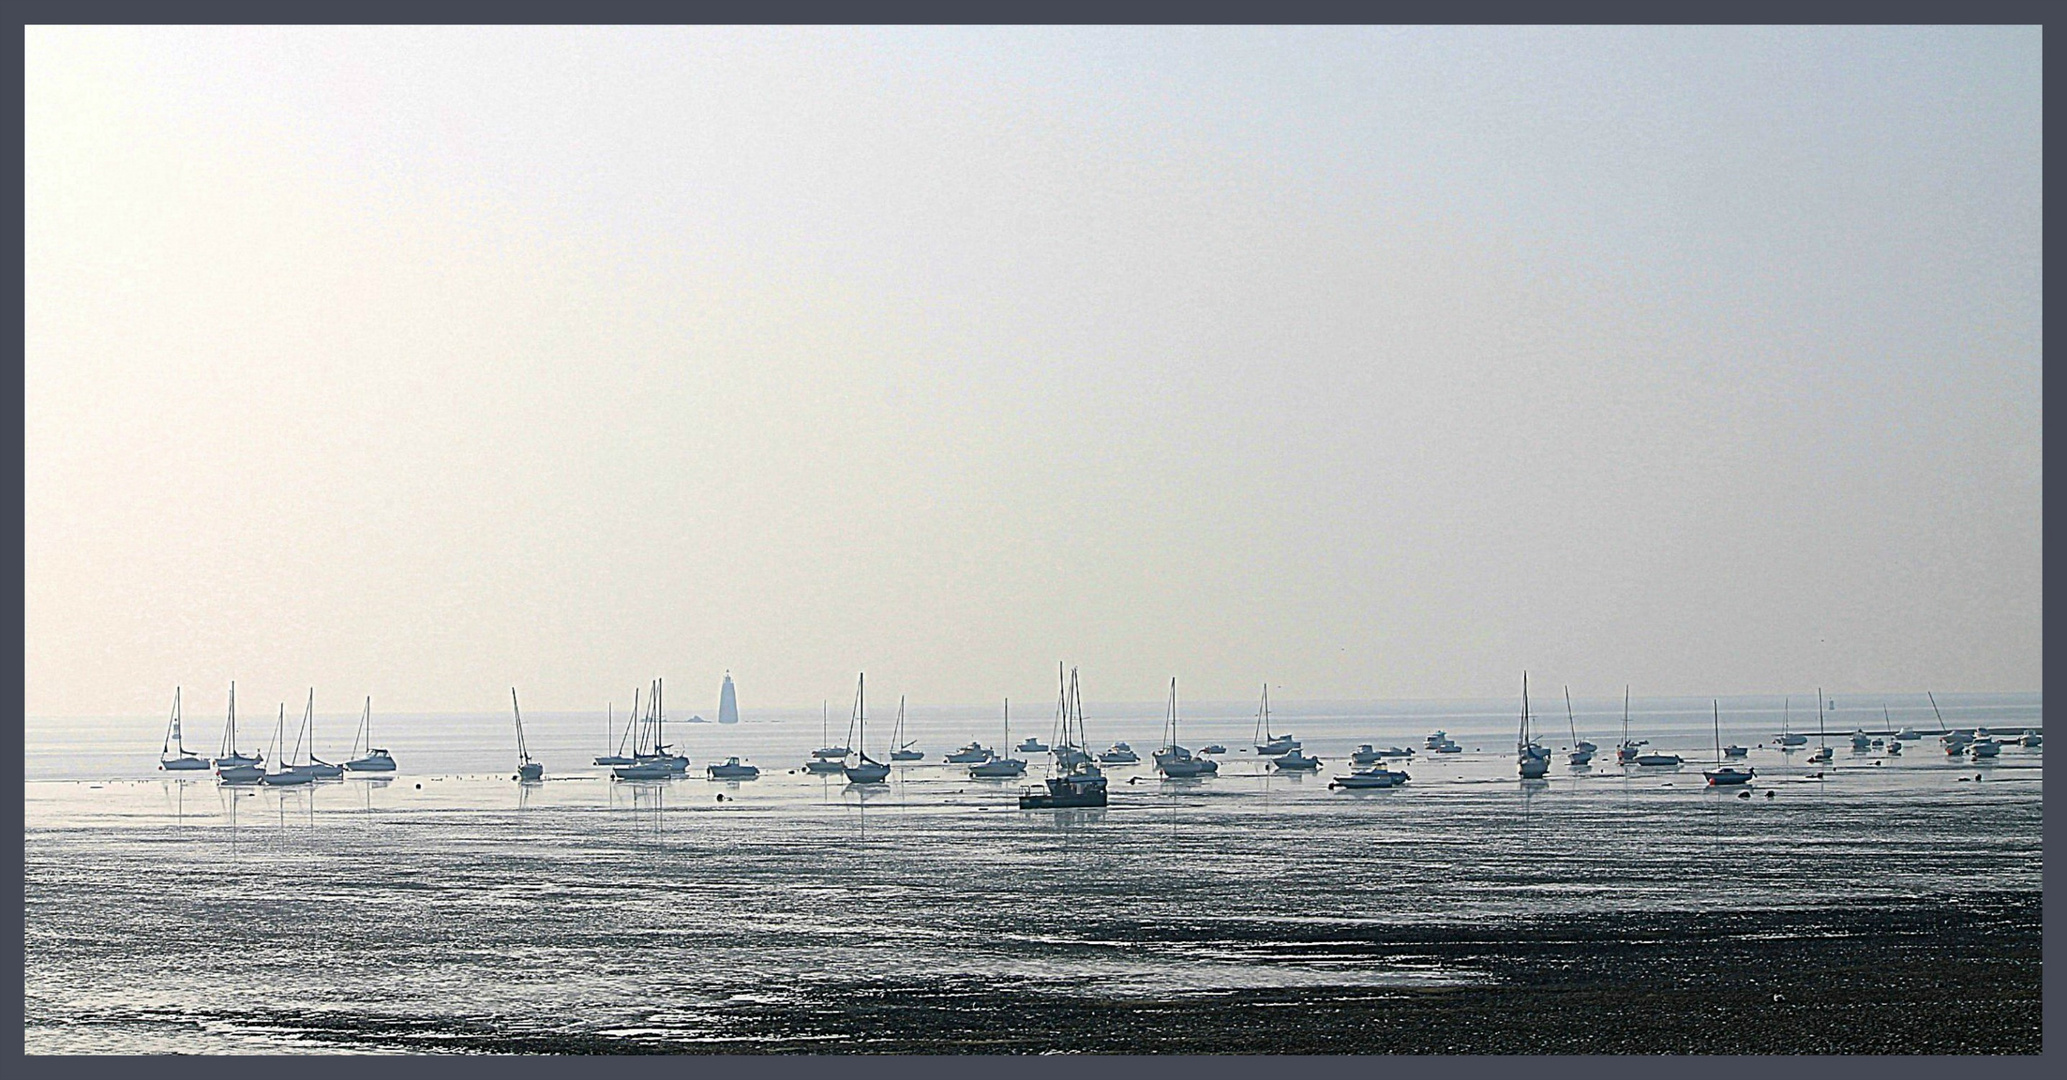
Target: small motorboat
649,769
1297,761
971,754
1628,752
2032,740
906,753
613,759
1435,739
1214,748
732,769
1894,748
1985,748
1032,745
1822,756
1908,734
1081,788
1449,747
1377,777
825,766
1727,776
1365,754
998,769
1119,754
1736,751
1396,752
830,753
1658,759
1861,742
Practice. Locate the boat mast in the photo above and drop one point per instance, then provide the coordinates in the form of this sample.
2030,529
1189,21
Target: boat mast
1819,716
1569,722
308,726
229,733
523,752
1625,714
1173,714
1522,740
172,730
1715,715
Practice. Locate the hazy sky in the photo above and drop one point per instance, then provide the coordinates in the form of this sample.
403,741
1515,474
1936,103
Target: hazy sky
1376,363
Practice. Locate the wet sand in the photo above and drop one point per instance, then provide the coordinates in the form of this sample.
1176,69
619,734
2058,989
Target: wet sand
1930,977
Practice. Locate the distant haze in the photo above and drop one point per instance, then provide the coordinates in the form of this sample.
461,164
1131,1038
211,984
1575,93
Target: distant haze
1375,363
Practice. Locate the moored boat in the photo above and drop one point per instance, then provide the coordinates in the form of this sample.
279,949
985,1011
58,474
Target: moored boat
174,755
732,769
1080,784
868,771
1001,768
528,771
1723,775
1173,760
374,759
900,749
1375,777
229,757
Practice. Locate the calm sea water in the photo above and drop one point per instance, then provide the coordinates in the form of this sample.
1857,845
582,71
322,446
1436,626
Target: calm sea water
170,914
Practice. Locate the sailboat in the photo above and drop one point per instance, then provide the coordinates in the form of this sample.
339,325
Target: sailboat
1001,768
186,760
827,759
1894,745
1788,739
1582,752
317,767
678,764
1173,759
647,761
229,757
728,702
286,773
528,771
374,759
901,750
1723,775
1822,755
1078,782
869,771
1630,748
1533,761
609,728
1272,744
